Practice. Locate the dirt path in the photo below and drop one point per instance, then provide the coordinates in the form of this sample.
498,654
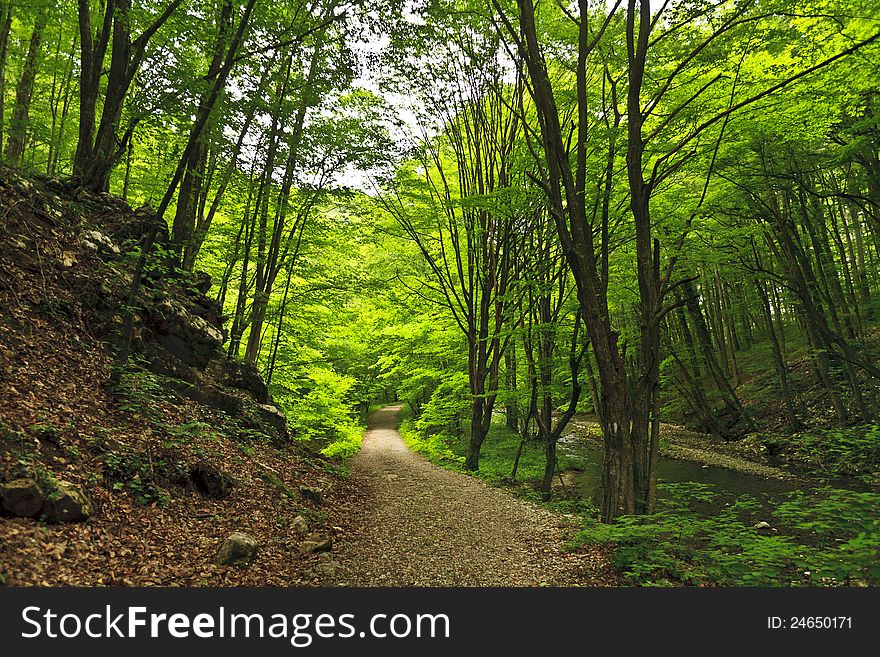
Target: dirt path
422,525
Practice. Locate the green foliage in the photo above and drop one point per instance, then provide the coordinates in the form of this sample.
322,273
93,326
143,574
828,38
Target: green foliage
850,450
46,481
448,408
140,392
319,410
140,473
851,518
830,540
185,433
434,446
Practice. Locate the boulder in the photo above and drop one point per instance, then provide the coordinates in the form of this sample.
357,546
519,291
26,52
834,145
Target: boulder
317,543
762,525
67,503
238,548
22,497
273,417
312,494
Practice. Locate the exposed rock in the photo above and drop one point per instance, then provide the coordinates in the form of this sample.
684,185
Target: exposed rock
317,542
762,525
138,223
210,481
312,494
300,525
67,503
99,242
209,396
22,497
272,416
238,548
244,376
184,335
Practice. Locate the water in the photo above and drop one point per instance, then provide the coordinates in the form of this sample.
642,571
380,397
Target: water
586,454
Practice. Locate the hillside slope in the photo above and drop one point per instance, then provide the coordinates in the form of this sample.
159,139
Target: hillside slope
186,451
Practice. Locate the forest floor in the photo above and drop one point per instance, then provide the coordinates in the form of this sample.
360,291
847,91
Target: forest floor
422,525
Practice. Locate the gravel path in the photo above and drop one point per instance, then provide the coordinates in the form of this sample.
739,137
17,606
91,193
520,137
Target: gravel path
422,525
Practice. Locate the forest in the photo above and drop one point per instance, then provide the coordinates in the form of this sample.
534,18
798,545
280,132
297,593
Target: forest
617,261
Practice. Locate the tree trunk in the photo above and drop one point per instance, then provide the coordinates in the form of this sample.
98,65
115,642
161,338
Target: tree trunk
6,18
24,92
511,405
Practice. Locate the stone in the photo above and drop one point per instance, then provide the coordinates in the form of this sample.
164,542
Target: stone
317,542
98,241
300,526
328,567
762,525
275,418
312,494
22,497
238,548
244,376
67,503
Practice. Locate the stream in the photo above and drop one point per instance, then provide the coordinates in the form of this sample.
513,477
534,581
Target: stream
586,455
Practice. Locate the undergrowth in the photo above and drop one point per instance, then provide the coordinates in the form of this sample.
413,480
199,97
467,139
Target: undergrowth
827,537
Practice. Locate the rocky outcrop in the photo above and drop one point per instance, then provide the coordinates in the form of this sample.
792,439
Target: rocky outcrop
244,376
188,337
179,328
273,417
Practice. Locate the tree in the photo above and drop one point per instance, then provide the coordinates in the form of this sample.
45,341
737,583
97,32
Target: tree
98,150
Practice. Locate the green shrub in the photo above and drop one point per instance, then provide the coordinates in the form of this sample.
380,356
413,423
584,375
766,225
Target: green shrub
851,450
435,447
829,539
139,474
447,409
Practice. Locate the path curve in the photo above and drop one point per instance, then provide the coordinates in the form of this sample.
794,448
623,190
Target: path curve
422,525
